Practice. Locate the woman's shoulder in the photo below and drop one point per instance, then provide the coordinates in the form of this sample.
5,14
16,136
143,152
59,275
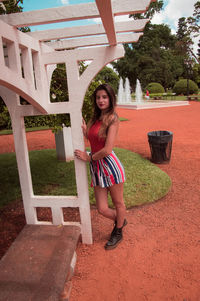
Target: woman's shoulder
114,118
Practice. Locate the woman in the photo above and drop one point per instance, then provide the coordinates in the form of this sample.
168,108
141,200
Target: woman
106,170
147,94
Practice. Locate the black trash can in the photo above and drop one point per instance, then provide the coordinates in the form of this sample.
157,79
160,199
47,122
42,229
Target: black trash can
160,143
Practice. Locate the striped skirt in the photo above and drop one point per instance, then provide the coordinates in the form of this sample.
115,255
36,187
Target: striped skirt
107,171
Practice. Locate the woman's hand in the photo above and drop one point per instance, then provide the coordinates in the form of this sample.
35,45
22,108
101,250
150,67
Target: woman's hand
82,155
84,128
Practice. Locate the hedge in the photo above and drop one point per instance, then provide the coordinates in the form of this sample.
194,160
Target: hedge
155,88
180,87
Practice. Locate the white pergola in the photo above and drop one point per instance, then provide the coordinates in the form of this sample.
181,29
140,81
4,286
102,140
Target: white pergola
37,53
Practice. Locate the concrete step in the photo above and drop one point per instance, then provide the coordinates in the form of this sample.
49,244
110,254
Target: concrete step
38,263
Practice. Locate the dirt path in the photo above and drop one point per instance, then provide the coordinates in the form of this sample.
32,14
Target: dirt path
159,258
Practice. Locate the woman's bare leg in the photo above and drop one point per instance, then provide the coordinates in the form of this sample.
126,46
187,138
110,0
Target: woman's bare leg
101,196
116,237
116,192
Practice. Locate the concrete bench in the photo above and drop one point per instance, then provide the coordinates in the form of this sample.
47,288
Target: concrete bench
157,97
194,97
38,263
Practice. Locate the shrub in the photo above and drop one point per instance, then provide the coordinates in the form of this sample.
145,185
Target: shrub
5,121
180,87
155,88
107,75
87,109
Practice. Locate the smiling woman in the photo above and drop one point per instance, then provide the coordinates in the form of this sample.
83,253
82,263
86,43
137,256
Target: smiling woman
102,100
107,172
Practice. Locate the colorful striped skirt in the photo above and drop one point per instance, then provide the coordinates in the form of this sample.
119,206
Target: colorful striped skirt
107,171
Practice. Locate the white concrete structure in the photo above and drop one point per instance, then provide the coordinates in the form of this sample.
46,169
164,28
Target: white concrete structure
29,52
153,104
64,147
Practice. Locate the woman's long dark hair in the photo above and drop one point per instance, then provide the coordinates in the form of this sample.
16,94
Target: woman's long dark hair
110,116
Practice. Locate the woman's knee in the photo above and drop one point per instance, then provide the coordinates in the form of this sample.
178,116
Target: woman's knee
102,210
119,204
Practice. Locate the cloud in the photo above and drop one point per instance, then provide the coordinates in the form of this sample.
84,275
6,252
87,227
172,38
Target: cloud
64,2
173,10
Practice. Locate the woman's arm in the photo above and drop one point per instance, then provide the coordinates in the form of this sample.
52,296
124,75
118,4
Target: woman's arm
82,155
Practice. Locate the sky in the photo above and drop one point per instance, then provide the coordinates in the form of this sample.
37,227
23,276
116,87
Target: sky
173,10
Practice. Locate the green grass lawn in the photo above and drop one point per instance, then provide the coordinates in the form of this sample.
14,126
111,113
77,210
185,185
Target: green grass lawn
145,182
168,97
41,128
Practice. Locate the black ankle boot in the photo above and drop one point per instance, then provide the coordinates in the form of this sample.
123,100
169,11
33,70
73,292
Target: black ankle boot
115,239
115,226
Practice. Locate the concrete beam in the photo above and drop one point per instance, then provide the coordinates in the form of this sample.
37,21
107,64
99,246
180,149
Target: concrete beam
73,12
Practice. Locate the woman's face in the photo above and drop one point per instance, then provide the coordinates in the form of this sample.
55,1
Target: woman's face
102,100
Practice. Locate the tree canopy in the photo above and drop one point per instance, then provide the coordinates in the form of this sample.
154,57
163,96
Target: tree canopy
152,58
153,8
194,20
160,56
12,6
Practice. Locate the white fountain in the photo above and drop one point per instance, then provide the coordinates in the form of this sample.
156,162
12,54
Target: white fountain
127,91
124,93
120,96
124,99
138,92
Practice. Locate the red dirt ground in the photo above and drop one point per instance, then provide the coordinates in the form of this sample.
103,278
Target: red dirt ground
159,258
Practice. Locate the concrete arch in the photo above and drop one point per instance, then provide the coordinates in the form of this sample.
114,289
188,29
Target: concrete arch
37,59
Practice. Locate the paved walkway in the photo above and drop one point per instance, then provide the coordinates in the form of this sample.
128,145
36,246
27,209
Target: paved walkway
159,259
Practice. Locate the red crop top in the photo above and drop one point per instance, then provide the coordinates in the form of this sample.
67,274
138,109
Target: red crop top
96,142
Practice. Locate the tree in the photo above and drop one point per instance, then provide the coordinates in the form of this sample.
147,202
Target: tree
151,59
108,76
184,41
194,26
185,50
182,31
154,7
11,6
198,50
194,21
196,74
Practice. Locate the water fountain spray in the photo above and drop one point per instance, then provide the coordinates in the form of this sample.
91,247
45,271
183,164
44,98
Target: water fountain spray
138,92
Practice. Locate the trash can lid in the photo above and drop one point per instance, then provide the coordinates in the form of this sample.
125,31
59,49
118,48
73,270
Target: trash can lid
160,133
